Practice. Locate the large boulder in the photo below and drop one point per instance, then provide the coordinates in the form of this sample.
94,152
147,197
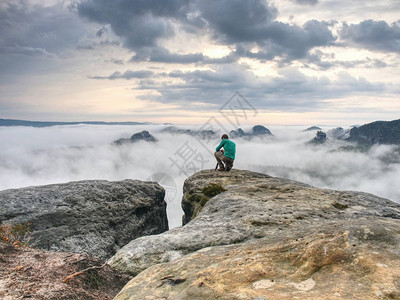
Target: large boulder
95,217
263,237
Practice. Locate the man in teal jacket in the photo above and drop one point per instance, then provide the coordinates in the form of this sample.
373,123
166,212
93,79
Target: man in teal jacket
225,155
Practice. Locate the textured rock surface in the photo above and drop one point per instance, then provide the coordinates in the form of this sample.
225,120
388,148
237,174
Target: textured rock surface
315,266
96,217
270,238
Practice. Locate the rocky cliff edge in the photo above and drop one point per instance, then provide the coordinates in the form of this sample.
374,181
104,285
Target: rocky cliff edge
96,217
268,238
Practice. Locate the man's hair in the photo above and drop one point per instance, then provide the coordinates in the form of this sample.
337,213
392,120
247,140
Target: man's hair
224,137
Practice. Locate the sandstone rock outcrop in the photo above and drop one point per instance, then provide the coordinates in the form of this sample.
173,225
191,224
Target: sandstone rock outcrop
237,133
257,130
137,137
260,130
269,238
95,217
320,138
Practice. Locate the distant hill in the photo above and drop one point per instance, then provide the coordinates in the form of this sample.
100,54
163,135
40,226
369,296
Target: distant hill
319,139
257,130
312,128
10,122
379,132
203,134
137,137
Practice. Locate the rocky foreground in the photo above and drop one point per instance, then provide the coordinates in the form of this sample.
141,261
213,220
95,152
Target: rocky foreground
268,238
92,219
28,273
95,217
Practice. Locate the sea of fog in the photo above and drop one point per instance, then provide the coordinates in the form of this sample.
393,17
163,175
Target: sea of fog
37,156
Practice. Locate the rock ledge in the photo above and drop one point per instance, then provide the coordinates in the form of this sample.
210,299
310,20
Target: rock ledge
94,216
270,238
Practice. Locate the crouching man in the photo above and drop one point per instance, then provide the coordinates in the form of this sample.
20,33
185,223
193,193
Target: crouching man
226,155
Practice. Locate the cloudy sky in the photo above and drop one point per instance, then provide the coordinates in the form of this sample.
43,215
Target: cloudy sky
332,62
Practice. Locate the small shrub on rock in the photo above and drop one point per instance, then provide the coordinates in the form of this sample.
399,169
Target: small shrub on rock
15,235
213,189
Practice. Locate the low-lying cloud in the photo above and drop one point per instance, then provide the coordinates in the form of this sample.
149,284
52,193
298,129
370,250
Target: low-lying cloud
37,156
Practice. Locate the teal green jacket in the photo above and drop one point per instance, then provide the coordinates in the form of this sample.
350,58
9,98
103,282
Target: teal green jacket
229,147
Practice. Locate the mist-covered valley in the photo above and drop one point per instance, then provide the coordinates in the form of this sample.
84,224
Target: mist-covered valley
37,156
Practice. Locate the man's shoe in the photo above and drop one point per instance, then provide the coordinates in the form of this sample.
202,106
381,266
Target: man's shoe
221,169
228,168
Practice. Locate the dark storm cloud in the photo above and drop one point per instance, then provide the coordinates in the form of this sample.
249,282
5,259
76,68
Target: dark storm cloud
141,23
289,42
294,42
126,75
373,35
34,40
48,29
305,2
103,43
244,24
101,31
249,23
104,11
236,20
281,40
